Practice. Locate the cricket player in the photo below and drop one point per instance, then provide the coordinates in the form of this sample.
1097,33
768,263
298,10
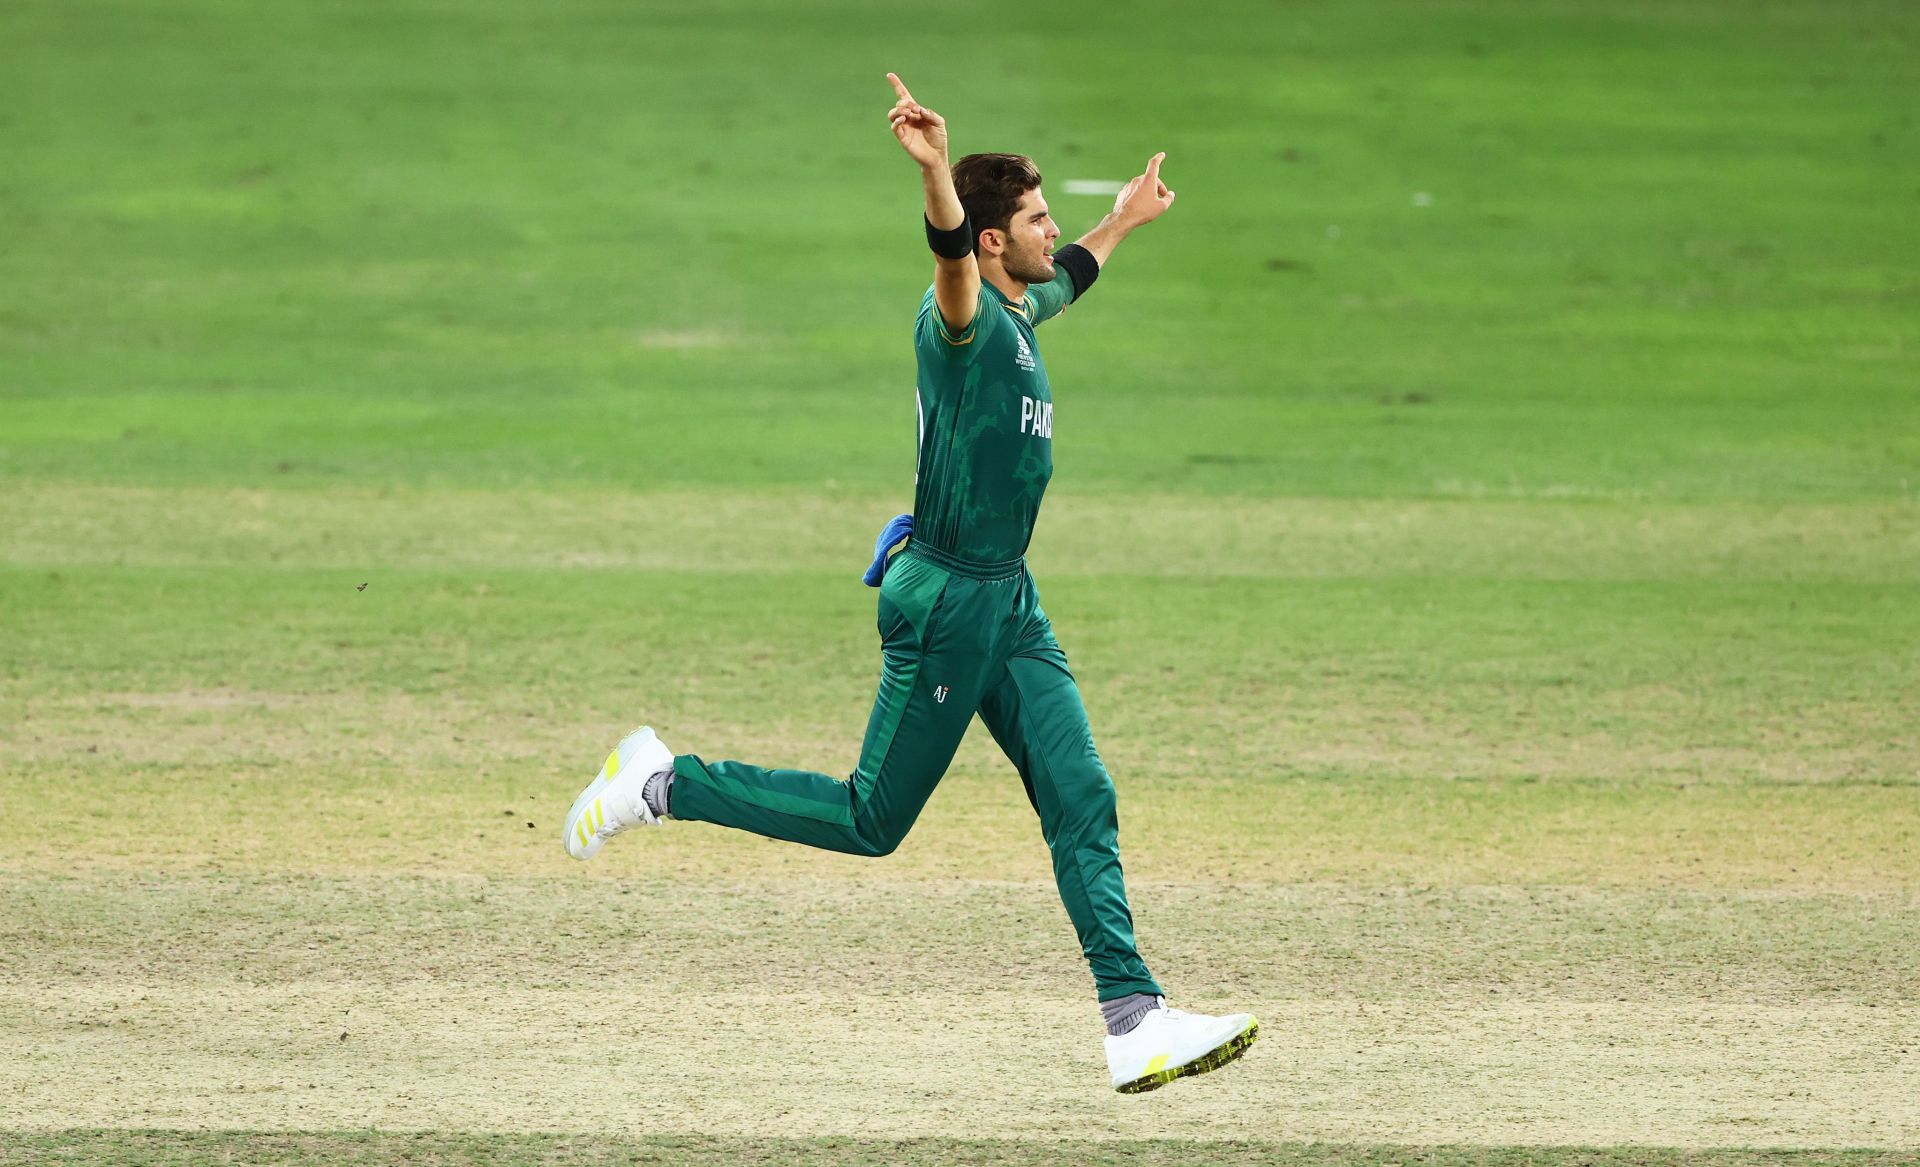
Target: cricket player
961,627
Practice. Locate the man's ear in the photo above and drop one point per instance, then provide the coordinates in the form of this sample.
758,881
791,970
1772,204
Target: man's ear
998,238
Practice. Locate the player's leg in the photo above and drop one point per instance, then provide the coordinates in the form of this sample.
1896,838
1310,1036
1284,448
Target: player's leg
932,666
1034,711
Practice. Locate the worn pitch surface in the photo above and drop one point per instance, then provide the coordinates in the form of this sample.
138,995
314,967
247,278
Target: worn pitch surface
307,878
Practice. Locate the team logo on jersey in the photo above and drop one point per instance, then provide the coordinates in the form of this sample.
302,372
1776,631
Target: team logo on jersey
940,693
1022,355
1036,417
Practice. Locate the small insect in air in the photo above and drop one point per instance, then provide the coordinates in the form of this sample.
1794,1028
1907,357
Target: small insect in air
362,587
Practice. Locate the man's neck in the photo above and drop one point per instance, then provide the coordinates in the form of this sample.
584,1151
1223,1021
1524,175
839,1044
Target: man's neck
992,272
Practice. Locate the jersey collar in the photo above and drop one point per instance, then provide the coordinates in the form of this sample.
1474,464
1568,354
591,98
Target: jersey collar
1018,307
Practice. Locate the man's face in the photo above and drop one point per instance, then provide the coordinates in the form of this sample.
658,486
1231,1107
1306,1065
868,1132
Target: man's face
1029,252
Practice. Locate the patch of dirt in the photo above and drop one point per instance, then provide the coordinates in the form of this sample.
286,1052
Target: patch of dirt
870,935
807,1060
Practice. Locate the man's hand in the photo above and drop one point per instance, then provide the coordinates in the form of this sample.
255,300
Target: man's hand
1144,199
922,132
1141,201
923,135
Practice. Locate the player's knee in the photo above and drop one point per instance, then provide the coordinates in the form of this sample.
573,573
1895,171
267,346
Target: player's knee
1092,805
879,840
878,848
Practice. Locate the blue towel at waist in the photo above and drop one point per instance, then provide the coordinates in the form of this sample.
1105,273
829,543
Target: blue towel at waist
893,537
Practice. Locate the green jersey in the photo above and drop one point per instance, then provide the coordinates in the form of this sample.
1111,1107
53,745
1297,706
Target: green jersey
986,423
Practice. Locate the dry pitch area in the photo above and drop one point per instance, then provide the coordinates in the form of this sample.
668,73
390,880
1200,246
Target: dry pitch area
295,869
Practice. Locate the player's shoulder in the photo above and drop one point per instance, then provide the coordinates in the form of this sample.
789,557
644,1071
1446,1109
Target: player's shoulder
984,296
930,328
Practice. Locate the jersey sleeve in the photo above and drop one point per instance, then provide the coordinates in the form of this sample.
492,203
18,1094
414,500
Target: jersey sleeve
932,336
1051,298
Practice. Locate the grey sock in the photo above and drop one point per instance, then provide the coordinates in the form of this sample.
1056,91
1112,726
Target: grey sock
1123,1013
658,792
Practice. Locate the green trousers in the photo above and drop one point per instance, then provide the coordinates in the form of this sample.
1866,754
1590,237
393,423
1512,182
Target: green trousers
956,638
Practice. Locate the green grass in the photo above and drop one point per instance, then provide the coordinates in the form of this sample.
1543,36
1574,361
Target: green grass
1485,529
1668,253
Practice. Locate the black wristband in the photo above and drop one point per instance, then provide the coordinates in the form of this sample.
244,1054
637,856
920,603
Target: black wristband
1081,267
956,243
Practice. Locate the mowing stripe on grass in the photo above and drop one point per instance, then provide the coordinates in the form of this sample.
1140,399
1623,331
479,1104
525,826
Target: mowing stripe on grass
60,523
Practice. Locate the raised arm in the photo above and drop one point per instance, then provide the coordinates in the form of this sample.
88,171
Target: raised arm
1140,202
923,135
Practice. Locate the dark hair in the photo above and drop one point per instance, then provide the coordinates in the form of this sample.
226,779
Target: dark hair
991,186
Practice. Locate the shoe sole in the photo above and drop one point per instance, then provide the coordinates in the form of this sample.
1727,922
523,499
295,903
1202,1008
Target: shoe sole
585,802
609,770
1213,1059
578,809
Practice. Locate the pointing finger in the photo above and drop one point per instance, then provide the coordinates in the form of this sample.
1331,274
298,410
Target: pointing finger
1153,167
899,87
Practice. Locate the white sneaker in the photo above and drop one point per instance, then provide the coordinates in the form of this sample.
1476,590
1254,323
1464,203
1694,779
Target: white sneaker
1169,1044
612,802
